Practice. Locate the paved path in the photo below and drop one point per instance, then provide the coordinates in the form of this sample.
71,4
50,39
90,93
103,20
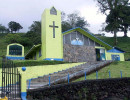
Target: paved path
62,76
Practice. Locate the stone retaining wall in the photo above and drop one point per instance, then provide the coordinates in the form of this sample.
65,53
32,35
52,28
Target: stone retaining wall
75,53
103,89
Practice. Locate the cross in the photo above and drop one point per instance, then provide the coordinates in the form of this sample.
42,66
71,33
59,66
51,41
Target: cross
53,26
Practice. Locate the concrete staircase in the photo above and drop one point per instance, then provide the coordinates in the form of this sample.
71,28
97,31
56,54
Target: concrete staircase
62,76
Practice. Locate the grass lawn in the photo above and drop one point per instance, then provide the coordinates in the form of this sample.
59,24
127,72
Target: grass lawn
114,68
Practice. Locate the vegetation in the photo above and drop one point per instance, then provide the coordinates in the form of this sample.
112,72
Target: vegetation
73,20
14,26
117,16
114,68
123,43
5,39
21,63
3,29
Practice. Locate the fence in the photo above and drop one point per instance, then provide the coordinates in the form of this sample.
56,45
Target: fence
85,77
11,80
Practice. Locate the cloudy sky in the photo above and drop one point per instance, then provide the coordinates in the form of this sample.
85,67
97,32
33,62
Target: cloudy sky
27,11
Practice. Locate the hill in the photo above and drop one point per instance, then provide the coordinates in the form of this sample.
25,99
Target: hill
123,42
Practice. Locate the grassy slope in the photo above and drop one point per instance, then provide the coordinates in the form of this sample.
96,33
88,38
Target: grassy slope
123,43
3,44
114,68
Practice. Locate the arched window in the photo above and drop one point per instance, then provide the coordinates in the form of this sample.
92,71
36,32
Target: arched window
77,42
53,11
15,50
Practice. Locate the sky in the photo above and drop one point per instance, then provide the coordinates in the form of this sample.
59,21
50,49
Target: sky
27,11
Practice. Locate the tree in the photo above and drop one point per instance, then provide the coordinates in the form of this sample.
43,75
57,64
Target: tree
14,26
81,22
36,27
65,26
111,9
105,6
74,20
124,18
3,29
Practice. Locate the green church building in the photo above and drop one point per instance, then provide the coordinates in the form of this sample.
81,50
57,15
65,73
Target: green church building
74,45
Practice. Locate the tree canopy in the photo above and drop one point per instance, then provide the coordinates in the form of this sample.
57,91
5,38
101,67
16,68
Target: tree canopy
36,27
14,26
73,20
116,12
3,29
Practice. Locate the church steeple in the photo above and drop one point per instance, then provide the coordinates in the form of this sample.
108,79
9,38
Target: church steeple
52,41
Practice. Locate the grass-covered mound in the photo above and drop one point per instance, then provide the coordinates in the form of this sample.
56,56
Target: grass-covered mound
21,63
114,68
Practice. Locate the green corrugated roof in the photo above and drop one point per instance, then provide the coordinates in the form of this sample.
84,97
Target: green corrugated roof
89,35
32,50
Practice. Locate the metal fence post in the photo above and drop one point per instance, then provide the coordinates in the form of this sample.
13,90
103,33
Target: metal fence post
49,80
121,73
109,74
68,78
29,83
85,76
96,74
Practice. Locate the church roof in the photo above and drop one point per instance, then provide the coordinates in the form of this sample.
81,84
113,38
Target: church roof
116,50
89,35
32,50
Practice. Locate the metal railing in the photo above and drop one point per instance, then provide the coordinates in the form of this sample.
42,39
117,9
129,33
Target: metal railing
11,80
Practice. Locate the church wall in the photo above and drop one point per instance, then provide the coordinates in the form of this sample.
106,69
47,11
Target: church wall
109,56
71,36
37,55
73,53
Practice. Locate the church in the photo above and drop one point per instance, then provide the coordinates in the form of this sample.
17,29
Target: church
74,45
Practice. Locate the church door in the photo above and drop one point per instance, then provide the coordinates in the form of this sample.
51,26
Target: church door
100,54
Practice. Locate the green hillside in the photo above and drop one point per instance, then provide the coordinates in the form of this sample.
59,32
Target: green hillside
123,43
6,39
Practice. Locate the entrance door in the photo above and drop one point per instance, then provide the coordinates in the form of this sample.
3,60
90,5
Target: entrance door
100,54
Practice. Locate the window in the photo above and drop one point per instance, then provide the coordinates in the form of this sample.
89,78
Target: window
77,42
115,57
53,11
15,50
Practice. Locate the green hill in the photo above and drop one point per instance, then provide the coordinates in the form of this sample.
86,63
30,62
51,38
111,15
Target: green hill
6,39
123,42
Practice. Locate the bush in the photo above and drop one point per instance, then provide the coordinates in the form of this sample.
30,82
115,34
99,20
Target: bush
21,63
